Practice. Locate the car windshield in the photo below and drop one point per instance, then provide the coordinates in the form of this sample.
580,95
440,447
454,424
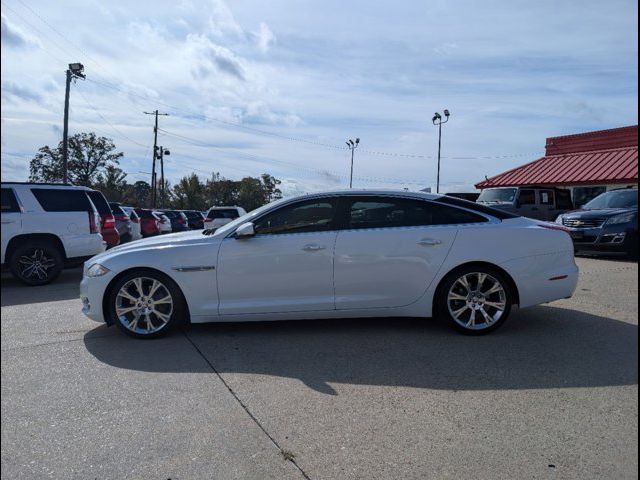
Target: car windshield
498,195
615,199
225,229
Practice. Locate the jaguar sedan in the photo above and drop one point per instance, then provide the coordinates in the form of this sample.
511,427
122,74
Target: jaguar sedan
336,255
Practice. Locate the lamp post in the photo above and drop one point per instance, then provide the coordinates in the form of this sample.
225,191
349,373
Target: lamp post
351,145
438,121
163,152
74,71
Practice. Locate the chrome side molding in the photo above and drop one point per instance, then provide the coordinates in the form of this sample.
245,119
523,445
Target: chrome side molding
193,268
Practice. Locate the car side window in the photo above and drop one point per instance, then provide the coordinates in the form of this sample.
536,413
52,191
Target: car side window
527,197
301,217
62,200
388,212
9,201
563,200
547,197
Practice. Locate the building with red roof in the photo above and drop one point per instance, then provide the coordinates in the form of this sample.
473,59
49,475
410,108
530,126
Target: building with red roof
587,164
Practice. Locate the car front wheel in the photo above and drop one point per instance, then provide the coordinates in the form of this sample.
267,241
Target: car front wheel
475,300
145,304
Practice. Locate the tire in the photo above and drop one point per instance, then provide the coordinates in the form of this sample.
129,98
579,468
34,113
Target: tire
141,315
474,314
36,262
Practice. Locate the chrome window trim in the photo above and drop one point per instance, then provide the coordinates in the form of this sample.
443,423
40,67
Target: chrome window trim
490,220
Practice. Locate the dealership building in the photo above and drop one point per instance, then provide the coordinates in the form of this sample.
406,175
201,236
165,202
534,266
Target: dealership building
586,163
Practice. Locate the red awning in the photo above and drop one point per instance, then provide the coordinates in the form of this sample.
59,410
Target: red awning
580,167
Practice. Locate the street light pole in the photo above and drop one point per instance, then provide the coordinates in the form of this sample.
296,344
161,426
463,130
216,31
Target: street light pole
437,120
351,145
74,71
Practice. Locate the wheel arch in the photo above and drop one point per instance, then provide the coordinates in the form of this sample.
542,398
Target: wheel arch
107,291
29,237
512,284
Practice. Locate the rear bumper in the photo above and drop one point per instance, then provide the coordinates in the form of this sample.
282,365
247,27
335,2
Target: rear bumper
544,278
111,236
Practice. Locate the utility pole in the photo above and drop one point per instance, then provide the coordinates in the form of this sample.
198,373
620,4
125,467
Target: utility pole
351,145
155,155
74,71
437,120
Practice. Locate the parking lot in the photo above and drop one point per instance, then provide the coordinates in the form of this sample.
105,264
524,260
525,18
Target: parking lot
551,395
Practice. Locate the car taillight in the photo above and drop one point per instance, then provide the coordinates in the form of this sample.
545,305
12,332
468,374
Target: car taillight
93,224
180,220
135,219
108,221
121,218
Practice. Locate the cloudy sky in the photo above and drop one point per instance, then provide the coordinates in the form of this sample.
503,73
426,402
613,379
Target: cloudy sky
277,87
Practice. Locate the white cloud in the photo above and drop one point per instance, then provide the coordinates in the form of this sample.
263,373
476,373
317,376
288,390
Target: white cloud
13,36
265,38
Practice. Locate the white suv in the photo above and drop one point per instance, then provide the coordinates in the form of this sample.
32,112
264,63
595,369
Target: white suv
218,216
44,227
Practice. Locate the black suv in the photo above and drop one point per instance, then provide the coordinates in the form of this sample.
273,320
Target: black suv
608,223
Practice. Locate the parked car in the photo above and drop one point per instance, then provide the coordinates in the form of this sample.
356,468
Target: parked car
178,220
136,231
149,222
123,222
164,224
107,219
608,223
195,219
336,255
219,216
542,203
45,227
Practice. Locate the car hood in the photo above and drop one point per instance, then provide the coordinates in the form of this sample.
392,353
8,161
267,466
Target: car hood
161,242
598,213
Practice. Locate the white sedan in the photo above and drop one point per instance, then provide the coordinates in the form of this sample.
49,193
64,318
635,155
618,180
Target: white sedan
336,255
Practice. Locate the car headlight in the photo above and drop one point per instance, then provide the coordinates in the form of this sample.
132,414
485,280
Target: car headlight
97,270
622,218
559,220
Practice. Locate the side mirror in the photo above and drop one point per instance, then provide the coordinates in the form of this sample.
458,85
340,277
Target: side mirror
245,230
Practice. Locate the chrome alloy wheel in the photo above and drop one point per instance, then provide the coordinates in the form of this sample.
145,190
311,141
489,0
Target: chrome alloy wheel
35,264
144,305
476,300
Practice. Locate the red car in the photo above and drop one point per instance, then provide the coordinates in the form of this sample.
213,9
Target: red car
107,220
148,222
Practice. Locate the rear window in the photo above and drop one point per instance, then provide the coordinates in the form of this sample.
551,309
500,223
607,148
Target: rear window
145,214
9,201
476,207
61,200
100,202
116,209
223,213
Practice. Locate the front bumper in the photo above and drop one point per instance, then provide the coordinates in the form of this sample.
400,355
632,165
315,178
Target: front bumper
92,290
605,238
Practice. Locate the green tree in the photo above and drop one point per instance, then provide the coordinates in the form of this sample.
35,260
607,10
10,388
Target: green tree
188,193
89,156
112,183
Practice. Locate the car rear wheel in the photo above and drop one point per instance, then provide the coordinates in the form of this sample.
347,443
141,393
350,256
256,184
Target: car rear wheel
475,300
36,263
146,304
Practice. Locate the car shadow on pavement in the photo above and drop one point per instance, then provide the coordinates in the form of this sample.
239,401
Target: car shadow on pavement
541,347
65,287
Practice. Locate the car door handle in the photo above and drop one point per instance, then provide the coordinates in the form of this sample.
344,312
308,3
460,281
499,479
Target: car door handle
429,242
313,247
8,221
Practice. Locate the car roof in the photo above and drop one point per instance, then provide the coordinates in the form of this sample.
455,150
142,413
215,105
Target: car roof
54,185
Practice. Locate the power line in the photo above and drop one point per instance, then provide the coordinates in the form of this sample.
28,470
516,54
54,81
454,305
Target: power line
109,123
